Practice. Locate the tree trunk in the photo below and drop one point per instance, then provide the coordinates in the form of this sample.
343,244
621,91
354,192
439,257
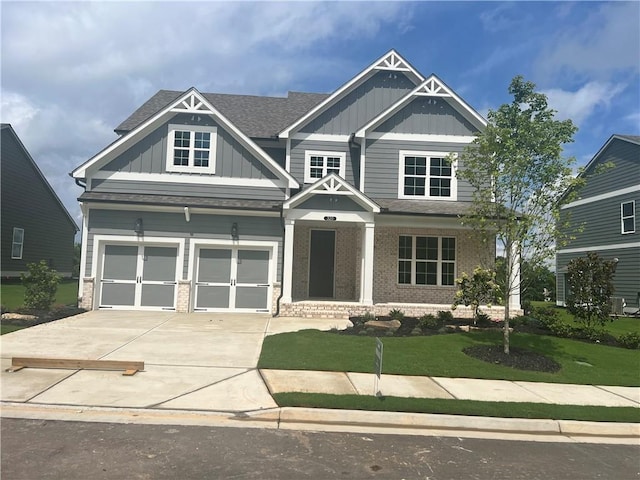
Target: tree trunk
508,288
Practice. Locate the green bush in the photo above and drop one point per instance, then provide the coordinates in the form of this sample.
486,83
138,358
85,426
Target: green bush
41,285
368,316
630,340
396,314
546,317
445,316
429,321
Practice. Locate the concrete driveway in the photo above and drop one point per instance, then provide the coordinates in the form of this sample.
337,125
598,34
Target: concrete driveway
200,361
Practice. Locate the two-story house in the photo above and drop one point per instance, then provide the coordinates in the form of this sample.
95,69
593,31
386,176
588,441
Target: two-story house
35,225
313,204
606,211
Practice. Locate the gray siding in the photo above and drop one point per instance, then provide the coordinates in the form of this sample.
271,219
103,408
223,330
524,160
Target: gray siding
298,148
28,203
626,172
149,155
421,115
192,190
626,280
601,222
362,104
382,164
173,225
341,203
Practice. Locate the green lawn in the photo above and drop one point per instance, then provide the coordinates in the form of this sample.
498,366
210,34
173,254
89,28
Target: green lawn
460,407
9,328
12,294
442,356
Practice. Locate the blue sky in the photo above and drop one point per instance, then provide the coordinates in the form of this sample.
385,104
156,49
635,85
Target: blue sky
71,72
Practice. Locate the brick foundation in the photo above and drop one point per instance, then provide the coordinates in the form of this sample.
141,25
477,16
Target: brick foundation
86,300
184,296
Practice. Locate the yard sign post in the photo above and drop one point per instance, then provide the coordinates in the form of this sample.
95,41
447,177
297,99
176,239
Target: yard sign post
378,367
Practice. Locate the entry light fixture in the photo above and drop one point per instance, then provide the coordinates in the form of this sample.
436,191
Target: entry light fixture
234,231
187,214
137,226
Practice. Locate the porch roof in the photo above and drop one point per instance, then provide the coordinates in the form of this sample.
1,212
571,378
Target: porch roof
437,208
181,201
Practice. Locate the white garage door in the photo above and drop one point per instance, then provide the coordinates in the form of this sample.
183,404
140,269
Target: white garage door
232,279
138,276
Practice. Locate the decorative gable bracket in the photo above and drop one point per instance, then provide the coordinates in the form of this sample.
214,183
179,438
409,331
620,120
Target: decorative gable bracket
432,88
393,61
192,104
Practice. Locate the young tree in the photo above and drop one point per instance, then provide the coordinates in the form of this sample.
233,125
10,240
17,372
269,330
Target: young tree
518,175
590,281
41,285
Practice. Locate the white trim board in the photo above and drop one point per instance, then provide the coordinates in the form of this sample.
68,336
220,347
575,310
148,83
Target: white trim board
421,137
615,246
188,178
179,209
602,196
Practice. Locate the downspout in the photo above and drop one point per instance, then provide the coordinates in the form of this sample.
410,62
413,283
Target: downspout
80,184
284,237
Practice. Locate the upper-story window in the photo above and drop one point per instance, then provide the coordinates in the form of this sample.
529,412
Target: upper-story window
191,148
17,243
318,164
628,216
427,175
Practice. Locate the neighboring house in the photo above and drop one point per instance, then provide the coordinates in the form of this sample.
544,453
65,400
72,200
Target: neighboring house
34,223
313,204
607,212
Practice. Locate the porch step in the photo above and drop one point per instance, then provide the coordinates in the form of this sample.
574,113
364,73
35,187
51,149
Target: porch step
339,310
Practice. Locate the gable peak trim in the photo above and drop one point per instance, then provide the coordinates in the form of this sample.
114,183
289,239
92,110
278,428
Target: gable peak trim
393,61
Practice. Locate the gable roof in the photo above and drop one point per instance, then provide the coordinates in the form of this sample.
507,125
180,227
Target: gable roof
332,184
257,117
390,61
635,139
431,87
8,128
191,101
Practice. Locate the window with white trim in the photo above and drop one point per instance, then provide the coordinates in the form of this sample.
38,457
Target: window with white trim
628,216
318,164
426,260
191,148
427,175
17,243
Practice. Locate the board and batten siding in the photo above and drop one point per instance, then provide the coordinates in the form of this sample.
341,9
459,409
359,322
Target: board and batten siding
626,281
625,172
382,166
428,115
149,155
174,226
299,147
28,203
600,222
362,104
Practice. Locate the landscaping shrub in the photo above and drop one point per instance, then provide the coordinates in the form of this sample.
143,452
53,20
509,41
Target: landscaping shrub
396,314
368,316
630,340
429,321
590,282
546,317
445,316
41,285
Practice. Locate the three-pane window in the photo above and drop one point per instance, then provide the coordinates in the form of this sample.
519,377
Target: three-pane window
628,216
426,260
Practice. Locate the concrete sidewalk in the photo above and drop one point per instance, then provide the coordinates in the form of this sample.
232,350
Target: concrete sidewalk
350,383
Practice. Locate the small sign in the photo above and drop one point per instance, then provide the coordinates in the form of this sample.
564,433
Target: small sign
330,219
378,367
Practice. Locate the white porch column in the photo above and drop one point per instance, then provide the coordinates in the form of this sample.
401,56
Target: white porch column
287,263
366,281
514,281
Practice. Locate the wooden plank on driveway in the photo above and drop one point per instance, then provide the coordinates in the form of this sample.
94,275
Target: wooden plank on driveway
130,367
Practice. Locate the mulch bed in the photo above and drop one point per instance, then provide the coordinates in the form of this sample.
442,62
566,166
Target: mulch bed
43,316
517,358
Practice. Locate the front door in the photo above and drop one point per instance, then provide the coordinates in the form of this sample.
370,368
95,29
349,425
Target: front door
232,279
138,276
322,263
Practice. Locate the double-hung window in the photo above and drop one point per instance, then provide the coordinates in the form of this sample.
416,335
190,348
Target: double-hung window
318,164
427,175
628,216
426,260
17,243
191,148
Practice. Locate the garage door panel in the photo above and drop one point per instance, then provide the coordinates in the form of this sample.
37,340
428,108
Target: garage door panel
214,265
157,295
118,294
159,263
252,297
212,296
253,266
120,262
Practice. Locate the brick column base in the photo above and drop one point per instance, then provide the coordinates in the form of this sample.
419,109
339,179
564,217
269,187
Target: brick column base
184,296
86,300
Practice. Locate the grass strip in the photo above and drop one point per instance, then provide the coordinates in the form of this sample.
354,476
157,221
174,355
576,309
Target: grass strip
12,293
9,328
459,407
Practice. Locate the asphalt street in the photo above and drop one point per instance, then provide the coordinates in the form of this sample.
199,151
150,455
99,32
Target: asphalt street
46,449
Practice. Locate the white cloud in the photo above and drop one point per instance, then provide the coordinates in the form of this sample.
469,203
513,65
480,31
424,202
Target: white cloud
581,104
605,43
